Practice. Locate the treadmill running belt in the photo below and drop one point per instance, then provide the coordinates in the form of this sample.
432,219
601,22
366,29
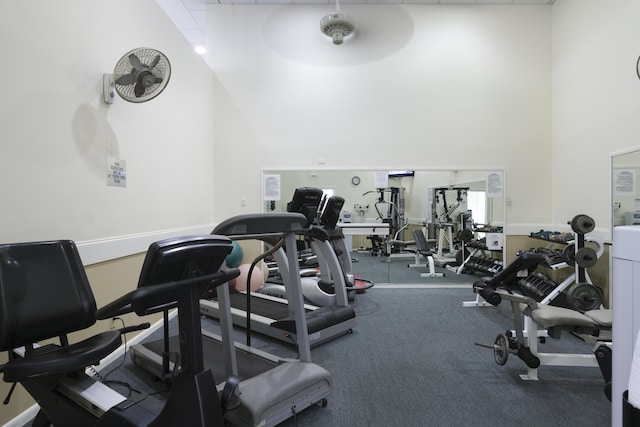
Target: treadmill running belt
249,365
267,308
317,320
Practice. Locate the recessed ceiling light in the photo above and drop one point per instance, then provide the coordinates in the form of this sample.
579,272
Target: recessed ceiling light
201,50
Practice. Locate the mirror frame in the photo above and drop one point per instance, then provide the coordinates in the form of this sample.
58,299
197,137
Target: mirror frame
358,172
612,183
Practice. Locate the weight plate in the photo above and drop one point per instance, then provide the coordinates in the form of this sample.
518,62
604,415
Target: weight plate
501,349
586,257
584,296
569,254
466,235
582,224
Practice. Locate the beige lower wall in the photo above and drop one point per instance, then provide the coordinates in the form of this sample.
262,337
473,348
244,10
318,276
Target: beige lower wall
109,280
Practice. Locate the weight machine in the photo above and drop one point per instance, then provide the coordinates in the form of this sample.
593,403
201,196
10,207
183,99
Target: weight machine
390,212
444,223
530,295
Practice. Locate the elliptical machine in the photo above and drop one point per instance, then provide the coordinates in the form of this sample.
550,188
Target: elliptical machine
45,293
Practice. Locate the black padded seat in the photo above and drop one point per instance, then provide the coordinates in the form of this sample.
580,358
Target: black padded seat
421,243
55,360
44,294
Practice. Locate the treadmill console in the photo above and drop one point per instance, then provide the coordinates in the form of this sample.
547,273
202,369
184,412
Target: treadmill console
331,212
306,201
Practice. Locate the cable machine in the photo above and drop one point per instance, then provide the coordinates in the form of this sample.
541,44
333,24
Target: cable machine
443,222
390,212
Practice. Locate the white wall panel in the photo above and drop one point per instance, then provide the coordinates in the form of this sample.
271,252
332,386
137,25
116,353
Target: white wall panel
56,133
416,87
596,102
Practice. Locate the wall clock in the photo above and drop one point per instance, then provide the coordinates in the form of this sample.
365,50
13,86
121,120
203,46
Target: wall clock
355,180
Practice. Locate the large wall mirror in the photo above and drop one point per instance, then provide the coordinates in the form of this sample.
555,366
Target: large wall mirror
625,168
440,203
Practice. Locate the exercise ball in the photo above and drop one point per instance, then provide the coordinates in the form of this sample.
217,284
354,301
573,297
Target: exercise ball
257,277
265,270
234,259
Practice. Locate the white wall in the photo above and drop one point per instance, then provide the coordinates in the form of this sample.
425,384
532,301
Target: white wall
417,87
55,131
596,101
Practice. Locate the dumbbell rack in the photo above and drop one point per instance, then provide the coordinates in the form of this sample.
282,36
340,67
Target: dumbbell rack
579,281
477,260
558,260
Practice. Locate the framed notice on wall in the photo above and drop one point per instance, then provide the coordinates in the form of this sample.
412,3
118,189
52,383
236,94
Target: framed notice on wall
495,184
624,182
381,179
271,187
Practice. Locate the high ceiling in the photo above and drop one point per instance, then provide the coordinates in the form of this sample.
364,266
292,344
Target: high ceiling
189,15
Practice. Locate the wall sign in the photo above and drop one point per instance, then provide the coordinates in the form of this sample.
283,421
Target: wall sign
495,184
271,187
624,182
116,172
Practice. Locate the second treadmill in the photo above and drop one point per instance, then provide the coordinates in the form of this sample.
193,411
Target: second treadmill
274,316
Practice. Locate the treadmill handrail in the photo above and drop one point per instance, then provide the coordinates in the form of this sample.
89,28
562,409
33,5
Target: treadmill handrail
152,299
261,225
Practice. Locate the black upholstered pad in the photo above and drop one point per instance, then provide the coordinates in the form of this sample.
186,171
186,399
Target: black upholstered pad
53,360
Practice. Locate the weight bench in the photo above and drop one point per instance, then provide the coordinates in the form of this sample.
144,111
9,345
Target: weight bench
531,316
423,250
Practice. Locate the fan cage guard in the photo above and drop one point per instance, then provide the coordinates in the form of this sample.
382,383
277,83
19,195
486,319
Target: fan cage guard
345,27
337,22
146,56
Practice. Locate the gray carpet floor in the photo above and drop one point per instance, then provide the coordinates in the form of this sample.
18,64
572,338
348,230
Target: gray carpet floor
412,361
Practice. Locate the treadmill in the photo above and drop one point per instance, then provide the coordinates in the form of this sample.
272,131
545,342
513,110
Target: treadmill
329,221
334,284
260,388
275,316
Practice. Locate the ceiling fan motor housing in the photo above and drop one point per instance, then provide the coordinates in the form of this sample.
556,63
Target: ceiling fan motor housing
337,25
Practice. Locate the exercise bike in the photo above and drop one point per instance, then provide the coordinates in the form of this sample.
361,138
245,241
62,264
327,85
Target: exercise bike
45,293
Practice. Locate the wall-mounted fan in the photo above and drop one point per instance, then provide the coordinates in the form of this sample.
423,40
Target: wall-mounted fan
140,75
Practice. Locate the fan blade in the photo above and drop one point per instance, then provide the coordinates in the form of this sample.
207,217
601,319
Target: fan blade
155,62
158,80
135,62
139,90
126,79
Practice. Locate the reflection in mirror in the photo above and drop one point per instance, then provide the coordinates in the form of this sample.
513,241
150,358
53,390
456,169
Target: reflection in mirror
382,209
625,197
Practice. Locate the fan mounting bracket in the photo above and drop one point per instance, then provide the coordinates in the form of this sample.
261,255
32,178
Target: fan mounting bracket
108,88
